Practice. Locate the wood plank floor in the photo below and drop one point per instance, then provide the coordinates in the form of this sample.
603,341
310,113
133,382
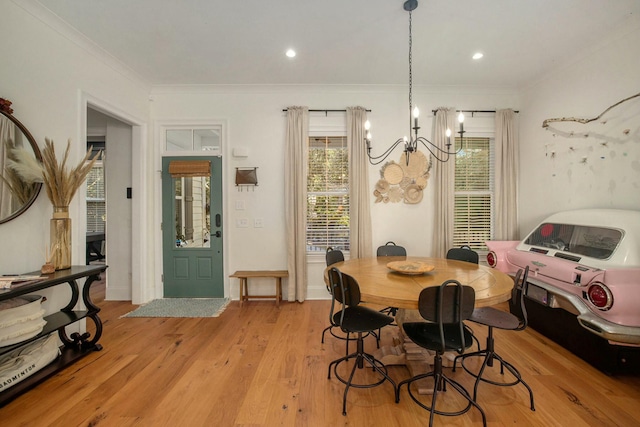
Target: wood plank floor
262,366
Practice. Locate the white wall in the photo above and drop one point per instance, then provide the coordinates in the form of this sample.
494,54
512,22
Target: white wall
118,225
583,173
48,78
255,120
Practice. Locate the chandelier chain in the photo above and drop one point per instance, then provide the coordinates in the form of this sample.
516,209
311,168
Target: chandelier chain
410,71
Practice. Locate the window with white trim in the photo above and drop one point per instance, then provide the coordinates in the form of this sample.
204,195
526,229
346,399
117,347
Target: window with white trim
474,186
95,195
328,194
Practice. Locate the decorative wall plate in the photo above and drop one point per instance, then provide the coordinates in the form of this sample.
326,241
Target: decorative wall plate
413,194
393,173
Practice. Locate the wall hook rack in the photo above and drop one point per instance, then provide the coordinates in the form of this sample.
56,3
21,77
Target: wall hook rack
246,177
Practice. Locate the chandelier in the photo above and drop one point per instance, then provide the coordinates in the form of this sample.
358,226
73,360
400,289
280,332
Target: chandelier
411,143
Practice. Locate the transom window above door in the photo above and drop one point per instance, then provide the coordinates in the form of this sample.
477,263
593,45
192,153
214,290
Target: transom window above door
207,140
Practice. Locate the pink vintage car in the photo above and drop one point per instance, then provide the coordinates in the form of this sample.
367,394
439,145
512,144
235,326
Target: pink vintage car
584,282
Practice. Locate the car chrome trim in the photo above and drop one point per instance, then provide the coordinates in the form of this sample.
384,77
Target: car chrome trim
586,318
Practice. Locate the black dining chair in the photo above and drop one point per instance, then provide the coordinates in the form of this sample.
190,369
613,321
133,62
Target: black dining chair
355,319
494,318
444,308
390,249
333,256
463,253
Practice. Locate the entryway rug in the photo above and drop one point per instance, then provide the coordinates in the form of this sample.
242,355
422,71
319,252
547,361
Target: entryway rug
181,307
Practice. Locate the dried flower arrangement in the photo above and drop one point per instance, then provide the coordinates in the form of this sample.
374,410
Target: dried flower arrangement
61,185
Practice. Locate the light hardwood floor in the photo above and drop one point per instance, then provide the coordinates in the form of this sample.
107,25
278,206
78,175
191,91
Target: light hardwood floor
262,366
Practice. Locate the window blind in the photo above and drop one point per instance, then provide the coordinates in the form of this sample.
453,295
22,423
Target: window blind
473,202
96,208
189,168
328,194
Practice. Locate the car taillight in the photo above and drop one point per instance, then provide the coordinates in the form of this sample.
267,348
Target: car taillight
492,259
600,296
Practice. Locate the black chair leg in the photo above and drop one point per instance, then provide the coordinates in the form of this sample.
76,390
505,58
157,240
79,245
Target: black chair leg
347,337
361,356
512,369
490,355
323,332
440,382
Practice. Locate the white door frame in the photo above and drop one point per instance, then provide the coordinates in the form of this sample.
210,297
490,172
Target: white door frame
141,290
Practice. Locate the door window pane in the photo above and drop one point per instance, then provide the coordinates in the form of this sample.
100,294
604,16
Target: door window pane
192,208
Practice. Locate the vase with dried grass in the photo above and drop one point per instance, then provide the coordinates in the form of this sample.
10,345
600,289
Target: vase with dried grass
61,185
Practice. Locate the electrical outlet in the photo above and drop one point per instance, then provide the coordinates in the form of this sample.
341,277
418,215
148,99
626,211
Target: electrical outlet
239,205
242,223
257,223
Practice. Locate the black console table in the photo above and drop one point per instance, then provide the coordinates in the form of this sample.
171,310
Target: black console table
73,347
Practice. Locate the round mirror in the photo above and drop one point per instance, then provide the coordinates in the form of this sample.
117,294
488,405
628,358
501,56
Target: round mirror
16,195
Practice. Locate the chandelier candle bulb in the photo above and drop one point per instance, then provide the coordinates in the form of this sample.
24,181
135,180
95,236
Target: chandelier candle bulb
448,134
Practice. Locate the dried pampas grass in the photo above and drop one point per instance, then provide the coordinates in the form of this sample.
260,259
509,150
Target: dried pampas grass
22,162
61,184
21,180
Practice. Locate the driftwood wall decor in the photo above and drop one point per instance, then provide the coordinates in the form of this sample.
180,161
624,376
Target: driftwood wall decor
545,124
601,137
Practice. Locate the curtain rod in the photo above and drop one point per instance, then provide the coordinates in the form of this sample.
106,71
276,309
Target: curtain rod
324,111
474,111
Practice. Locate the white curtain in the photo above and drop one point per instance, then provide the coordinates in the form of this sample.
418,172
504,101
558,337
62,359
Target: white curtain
7,133
360,209
506,176
444,185
295,198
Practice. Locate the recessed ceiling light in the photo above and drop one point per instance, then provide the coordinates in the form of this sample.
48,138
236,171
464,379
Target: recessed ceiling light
291,53
477,55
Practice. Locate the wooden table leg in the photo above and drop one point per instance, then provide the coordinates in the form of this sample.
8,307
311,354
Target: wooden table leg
278,291
243,287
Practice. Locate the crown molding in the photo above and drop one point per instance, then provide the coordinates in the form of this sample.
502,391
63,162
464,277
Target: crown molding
321,88
57,24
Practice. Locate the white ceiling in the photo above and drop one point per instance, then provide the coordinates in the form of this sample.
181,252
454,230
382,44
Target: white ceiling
345,41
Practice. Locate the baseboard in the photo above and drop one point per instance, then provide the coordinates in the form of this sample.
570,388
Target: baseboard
117,294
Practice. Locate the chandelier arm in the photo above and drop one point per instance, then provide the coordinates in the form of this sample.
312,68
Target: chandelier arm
382,157
437,151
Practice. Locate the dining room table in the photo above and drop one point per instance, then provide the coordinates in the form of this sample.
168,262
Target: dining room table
398,281
400,287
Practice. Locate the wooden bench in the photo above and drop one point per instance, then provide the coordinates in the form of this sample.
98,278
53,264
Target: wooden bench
244,277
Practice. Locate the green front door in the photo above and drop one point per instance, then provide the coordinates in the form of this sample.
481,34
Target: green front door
192,227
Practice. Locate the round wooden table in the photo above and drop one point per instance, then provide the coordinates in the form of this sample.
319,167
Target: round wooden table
380,285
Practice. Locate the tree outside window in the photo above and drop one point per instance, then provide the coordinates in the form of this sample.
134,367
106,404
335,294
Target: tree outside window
328,194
